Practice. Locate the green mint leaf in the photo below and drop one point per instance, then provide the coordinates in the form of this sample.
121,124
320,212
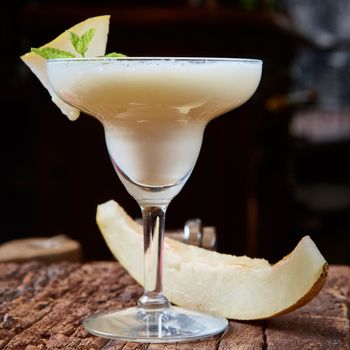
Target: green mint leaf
74,39
115,54
86,39
81,43
51,52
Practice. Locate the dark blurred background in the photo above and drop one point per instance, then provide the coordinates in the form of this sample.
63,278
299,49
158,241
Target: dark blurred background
269,172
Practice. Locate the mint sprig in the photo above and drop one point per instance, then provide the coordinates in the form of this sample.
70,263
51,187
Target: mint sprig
115,55
51,52
80,44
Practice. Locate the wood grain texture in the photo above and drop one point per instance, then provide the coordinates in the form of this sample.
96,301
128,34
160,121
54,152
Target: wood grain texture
322,324
42,307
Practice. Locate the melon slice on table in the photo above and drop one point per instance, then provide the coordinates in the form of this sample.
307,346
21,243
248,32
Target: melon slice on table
97,47
234,287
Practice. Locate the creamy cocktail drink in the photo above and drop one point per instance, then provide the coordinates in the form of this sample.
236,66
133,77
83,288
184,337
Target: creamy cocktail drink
154,111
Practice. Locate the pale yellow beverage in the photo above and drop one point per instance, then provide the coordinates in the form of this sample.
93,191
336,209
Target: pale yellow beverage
154,111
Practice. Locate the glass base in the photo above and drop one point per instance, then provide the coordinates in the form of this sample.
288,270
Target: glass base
173,324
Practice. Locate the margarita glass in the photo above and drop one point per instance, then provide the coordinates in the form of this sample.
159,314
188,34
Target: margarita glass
154,112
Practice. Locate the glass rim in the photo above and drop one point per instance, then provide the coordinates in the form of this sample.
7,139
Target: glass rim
146,59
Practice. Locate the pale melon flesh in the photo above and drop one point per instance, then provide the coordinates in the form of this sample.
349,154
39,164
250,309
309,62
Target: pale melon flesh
234,287
97,47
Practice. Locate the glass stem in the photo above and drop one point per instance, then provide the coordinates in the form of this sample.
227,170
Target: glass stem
153,232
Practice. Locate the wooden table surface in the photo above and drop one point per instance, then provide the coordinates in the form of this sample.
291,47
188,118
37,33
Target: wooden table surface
42,307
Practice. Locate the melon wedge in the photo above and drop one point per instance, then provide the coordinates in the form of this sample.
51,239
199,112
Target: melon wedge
234,287
97,47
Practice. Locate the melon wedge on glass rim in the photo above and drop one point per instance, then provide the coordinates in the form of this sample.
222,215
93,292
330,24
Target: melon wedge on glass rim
234,287
97,47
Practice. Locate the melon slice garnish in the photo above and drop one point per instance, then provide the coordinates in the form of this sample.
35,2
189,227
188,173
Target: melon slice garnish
239,288
97,47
